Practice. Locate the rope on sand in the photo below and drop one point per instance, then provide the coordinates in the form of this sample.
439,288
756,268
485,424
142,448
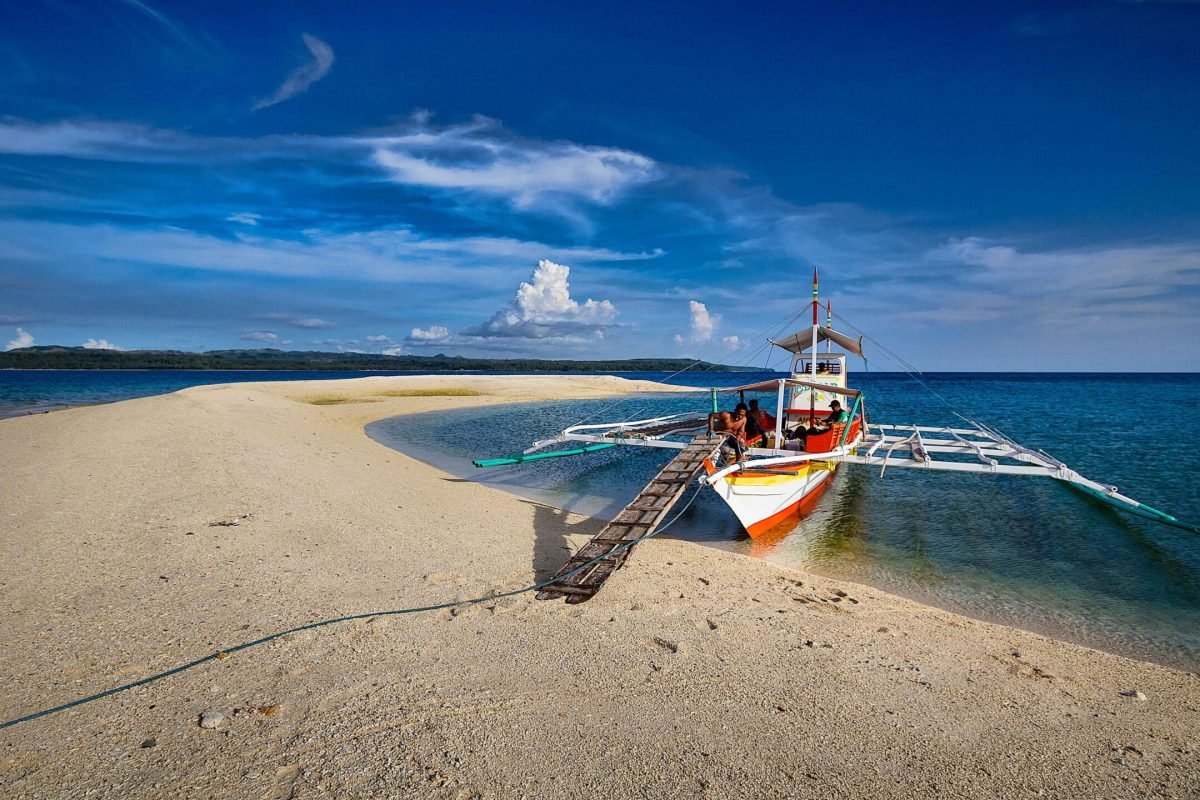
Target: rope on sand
222,654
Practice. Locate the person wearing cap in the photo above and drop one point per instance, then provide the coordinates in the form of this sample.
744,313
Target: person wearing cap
836,414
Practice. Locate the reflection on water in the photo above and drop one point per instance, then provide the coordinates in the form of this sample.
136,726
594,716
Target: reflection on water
1019,551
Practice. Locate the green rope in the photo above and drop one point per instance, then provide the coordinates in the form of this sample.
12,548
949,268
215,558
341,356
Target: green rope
322,623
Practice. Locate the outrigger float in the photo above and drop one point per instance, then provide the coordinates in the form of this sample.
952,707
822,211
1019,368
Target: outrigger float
778,475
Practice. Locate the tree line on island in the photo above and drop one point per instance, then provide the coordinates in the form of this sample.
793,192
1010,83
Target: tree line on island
58,357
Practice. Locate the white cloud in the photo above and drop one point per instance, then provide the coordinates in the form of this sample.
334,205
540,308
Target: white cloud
99,344
434,334
479,157
703,325
1066,287
266,337
308,323
385,344
303,76
22,339
543,309
165,22
244,218
731,343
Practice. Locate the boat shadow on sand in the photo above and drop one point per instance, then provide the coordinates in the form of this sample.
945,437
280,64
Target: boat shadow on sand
552,532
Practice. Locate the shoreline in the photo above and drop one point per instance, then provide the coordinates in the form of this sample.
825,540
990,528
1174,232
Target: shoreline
113,568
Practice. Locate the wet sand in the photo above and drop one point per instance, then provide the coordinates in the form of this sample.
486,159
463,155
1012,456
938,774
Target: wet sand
694,673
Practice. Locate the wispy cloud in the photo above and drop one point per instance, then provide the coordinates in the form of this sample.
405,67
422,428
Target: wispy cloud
303,76
157,16
479,157
164,23
14,319
305,323
264,337
1080,288
23,339
544,309
381,255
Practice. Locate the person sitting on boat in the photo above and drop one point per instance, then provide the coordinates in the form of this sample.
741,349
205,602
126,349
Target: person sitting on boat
723,421
729,422
765,420
836,415
750,424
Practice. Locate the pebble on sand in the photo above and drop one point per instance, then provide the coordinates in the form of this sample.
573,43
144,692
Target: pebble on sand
211,719
1136,694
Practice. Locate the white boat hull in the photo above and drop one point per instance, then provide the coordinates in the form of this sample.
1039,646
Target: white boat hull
761,499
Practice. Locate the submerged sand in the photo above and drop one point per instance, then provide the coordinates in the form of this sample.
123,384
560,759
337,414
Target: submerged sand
694,673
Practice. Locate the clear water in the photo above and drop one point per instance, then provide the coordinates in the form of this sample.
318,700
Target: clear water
1022,551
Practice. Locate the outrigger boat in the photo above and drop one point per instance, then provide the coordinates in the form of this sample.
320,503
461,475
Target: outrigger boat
767,480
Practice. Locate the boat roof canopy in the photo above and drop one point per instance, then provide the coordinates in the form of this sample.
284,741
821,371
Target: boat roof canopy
771,386
800,341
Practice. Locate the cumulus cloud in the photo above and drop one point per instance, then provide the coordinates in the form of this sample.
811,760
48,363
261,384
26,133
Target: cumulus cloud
703,325
731,343
99,344
23,339
434,334
303,76
544,309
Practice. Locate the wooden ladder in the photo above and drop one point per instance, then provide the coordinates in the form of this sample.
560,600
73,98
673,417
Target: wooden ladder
637,519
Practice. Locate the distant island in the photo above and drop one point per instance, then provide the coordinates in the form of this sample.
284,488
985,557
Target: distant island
58,357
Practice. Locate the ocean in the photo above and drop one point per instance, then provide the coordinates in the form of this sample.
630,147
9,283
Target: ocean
1025,552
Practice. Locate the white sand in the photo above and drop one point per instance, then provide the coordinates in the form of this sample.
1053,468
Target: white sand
694,673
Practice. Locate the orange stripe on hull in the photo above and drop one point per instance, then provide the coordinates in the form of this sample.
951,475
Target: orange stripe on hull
797,508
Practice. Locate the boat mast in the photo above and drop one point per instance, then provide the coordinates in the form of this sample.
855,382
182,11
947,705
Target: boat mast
828,323
812,363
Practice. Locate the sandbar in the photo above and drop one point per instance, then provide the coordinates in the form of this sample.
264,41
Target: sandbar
140,535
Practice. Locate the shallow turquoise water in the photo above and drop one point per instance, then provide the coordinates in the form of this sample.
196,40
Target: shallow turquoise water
1023,551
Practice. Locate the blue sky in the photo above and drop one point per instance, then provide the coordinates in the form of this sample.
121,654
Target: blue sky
983,187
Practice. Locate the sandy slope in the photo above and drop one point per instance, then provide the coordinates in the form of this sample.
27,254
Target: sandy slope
695,673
